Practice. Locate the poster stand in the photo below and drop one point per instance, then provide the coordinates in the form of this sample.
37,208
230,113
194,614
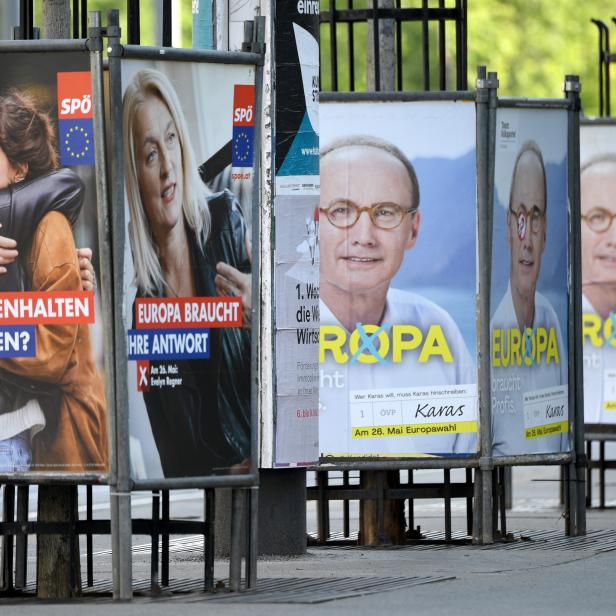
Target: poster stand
596,429
111,226
244,483
485,463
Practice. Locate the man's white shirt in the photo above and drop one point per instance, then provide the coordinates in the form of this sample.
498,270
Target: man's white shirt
338,380
508,427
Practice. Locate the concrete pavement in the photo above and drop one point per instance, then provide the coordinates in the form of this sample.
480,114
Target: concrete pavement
549,575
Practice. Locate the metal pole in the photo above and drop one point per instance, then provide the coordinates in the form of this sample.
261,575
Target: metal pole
121,486
96,47
164,572
253,539
21,541
208,544
8,515
235,558
447,497
154,586
89,547
469,503
486,121
95,43
133,22
167,17
577,502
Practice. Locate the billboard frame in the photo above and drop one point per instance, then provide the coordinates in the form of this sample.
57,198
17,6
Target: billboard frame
134,52
418,462
487,103
124,485
93,49
596,431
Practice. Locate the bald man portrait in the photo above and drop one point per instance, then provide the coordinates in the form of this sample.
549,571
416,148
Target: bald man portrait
527,347
598,205
375,338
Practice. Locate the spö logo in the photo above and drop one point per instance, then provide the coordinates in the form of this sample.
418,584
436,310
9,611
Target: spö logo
75,125
242,146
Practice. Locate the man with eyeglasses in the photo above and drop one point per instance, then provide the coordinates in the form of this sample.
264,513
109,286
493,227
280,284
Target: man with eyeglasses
598,205
526,340
369,221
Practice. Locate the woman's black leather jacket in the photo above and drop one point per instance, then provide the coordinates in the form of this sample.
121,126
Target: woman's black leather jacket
22,207
202,426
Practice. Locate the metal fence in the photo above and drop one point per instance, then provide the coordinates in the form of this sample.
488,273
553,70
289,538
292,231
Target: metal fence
350,29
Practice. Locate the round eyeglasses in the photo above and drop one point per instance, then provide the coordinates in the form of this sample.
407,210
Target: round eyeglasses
598,219
534,215
344,214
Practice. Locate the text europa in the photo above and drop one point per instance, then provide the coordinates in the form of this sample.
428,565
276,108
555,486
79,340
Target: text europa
371,344
533,347
597,331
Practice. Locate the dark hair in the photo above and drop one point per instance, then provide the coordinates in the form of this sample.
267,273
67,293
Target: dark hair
27,134
380,144
532,147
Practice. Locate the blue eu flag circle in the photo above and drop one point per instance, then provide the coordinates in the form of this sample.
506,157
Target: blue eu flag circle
242,146
76,142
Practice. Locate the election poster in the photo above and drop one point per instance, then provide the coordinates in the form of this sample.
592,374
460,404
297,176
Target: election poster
188,140
529,294
53,409
296,57
597,190
398,280
296,258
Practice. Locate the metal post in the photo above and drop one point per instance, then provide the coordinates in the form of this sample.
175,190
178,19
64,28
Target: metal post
495,502
577,492
167,17
235,559
508,487
376,47
411,502
447,497
380,508
322,506
601,474
26,20
442,57
8,515
164,573
333,44
21,541
502,484
425,28
487,85
73,538
208,543
252,543
84,18
120,448
154,586
133,22
345,507
589,473
89,555
469,503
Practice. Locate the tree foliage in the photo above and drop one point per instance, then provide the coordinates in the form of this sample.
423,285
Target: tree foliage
532,44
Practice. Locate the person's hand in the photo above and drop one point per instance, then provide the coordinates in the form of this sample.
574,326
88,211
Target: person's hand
86,269
8,252
230,281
